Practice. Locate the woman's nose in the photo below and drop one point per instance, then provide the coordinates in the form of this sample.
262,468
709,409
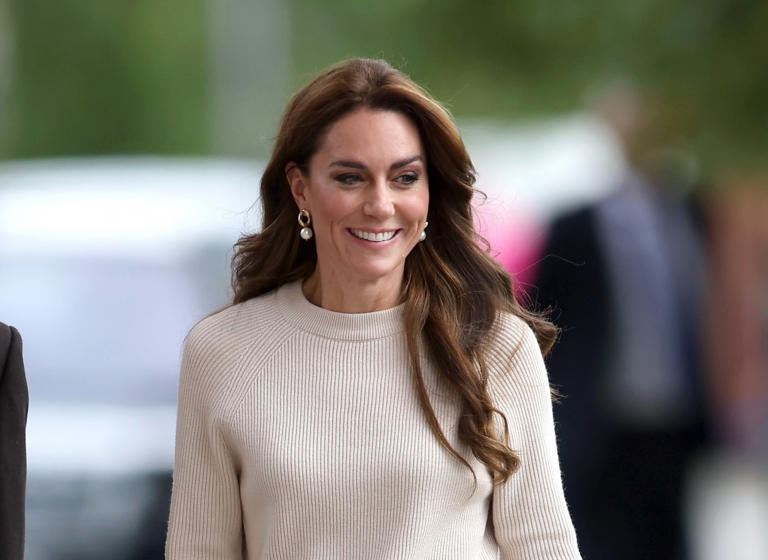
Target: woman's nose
378,202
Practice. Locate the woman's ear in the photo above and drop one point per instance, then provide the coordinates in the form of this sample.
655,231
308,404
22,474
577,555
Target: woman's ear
298,183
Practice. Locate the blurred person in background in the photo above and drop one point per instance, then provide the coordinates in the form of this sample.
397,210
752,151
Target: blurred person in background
626,279
374,391
14,402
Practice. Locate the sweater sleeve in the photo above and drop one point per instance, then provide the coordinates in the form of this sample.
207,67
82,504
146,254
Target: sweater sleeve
530,515
206,516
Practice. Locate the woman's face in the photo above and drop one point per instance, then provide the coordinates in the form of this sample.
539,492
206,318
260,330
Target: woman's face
368,194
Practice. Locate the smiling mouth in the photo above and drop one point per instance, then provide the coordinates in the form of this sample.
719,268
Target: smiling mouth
373,236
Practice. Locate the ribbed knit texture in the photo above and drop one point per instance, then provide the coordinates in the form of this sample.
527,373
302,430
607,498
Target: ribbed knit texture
300,436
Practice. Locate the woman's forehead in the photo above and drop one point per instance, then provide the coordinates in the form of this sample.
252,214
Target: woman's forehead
371,134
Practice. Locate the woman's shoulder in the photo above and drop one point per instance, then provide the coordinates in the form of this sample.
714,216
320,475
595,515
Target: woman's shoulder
514,352
218,349
509,333
233,325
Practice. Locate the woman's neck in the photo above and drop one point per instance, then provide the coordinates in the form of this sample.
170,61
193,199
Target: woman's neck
351,296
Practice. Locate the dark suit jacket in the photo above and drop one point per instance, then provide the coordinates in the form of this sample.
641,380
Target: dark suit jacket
572,281
14,401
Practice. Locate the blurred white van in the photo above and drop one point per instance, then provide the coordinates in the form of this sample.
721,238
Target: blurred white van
105,264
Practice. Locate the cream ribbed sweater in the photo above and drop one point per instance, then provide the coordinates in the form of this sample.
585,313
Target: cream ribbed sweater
300,436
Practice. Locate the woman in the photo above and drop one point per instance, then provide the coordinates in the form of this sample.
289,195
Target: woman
374,391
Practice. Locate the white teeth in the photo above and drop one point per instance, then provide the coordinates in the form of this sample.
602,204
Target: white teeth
370,236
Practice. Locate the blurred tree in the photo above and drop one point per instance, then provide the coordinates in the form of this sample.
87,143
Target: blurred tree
705,60
92,77
6,63
709,68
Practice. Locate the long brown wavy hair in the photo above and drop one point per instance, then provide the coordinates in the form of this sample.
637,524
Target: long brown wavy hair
453,289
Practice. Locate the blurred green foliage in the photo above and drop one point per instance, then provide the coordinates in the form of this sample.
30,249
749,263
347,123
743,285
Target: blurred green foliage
95,77
108,77
704,61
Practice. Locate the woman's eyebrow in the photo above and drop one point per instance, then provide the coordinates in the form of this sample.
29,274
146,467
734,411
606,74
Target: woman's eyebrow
404,162
347,163
358,165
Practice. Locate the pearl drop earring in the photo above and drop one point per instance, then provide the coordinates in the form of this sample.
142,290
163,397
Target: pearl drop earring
304,221
423,234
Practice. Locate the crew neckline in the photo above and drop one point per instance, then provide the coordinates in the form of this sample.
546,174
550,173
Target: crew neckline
304,314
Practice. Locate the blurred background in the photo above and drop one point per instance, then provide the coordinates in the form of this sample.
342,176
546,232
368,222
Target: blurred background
622,150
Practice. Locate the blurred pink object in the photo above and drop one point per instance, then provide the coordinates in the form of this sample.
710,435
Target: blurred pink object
515,236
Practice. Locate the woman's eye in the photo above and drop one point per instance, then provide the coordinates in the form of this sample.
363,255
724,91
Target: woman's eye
347,178
408,178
